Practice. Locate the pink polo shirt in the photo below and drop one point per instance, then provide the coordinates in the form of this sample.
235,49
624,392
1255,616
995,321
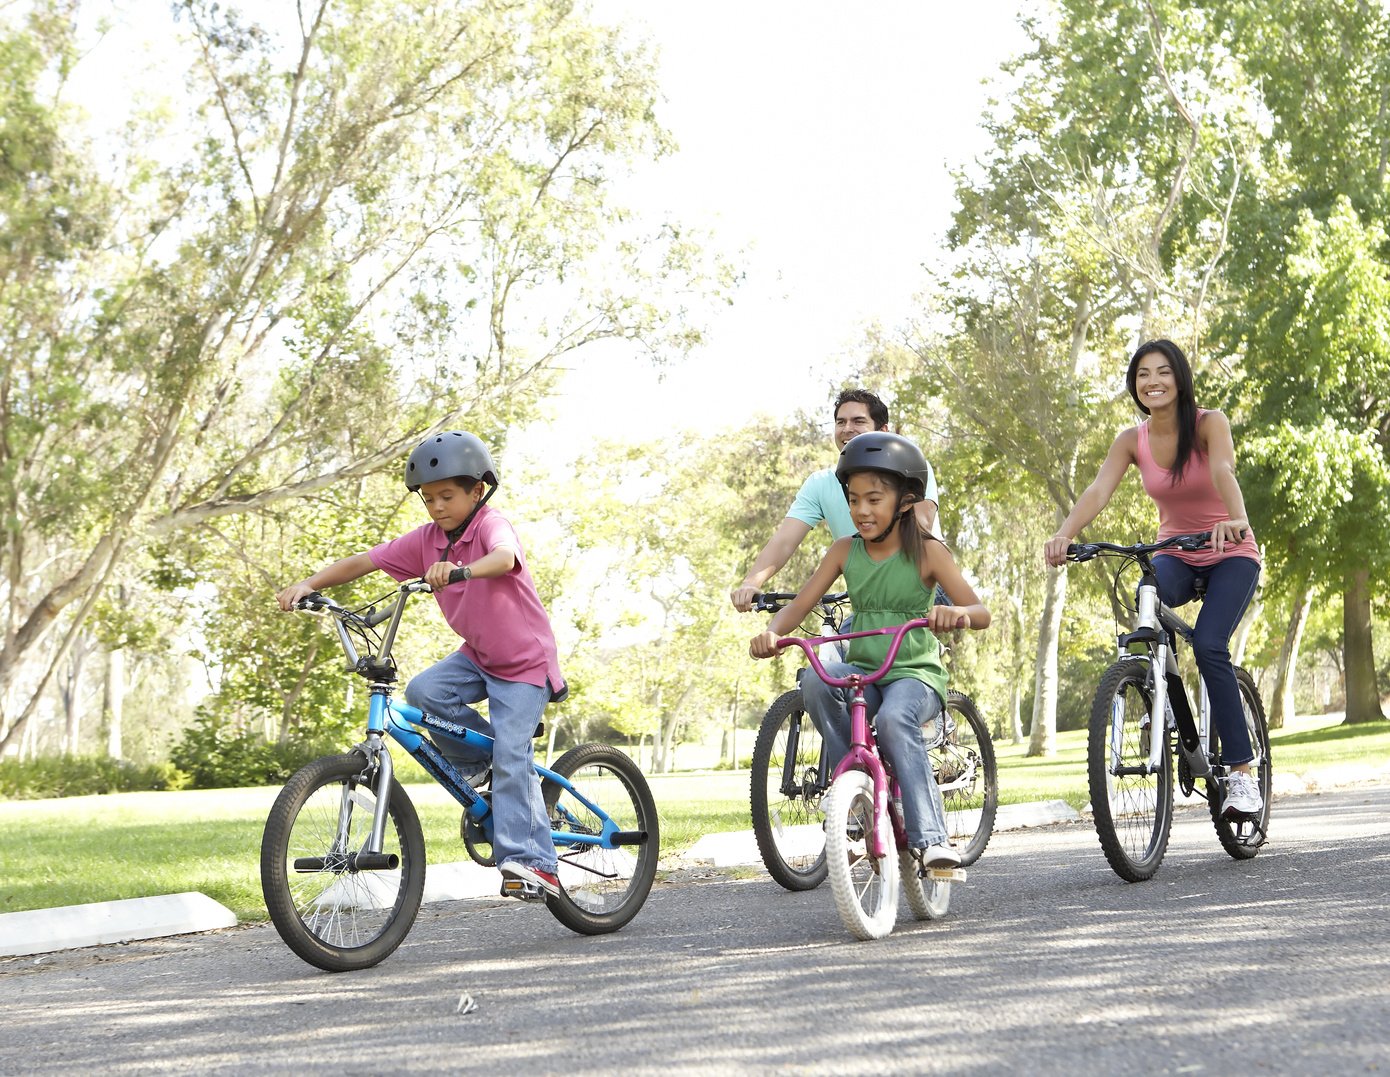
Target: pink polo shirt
505,630
1190,507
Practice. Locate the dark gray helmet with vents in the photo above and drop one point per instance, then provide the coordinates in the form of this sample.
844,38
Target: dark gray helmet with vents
879,450
454,454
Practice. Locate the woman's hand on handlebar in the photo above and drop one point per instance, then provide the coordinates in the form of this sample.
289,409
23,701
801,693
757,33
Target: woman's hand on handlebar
1055,550
763,645
1228,532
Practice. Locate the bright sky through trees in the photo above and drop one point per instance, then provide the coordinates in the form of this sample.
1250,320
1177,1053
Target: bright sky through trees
816,140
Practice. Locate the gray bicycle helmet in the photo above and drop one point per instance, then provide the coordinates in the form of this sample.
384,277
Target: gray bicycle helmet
454,454
879,450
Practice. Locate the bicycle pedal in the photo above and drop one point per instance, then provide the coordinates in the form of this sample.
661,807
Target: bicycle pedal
522,890
945,875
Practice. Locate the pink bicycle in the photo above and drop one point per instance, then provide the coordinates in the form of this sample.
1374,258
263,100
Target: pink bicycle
863,818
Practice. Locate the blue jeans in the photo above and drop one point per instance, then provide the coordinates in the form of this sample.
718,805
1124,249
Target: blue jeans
1230,586
521,827
902,708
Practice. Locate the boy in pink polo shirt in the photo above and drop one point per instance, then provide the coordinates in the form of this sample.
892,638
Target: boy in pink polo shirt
508,655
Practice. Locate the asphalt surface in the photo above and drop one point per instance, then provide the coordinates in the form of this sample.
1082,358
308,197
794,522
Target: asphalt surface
1047,964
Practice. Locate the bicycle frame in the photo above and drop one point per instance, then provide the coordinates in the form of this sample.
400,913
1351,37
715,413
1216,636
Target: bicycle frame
403,724
863,752
1157,628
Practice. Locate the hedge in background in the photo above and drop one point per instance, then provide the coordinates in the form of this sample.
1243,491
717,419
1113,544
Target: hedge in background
75,776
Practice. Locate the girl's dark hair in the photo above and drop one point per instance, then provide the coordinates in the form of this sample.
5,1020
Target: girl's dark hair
1187,403
911,534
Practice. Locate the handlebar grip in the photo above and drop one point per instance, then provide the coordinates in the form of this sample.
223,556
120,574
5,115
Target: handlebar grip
377,616
458,576
312,601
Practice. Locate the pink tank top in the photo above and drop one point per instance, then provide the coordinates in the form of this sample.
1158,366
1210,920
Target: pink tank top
1193,505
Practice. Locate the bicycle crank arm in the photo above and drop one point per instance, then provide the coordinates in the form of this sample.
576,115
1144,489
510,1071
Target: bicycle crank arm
353,862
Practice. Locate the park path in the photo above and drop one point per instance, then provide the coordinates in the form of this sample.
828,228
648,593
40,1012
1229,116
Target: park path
1048,964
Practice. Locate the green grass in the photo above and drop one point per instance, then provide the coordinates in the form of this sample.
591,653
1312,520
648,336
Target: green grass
83,849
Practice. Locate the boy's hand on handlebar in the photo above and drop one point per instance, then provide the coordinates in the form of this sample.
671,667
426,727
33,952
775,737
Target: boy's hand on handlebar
437,575
947,618
764,645
1055,551
293,593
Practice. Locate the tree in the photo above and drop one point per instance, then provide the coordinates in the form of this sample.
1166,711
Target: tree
1317,353
1100,214
351,250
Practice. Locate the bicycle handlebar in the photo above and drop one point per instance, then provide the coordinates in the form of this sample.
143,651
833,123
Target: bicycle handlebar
772,601
809,646
1084,551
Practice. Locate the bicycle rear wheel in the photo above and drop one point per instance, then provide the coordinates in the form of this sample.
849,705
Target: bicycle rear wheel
929,899
865,889
1132,807
330,912
1242,836
968,777
785,794
601,889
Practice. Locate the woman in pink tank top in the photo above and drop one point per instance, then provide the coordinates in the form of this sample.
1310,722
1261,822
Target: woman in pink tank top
1187,463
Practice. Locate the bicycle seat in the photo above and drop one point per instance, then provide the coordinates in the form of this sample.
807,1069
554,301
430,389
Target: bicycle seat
1199,586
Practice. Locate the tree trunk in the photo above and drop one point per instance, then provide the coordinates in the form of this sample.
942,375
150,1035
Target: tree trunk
1363,697
1020,665
1045,675
1281,706
114,705
1242,636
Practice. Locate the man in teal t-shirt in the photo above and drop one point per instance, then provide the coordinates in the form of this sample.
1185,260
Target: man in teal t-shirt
857,411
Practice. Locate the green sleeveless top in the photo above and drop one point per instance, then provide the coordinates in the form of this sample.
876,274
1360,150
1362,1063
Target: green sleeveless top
888,593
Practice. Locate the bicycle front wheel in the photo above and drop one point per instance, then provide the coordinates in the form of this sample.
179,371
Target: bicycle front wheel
865,888
1132,806
785,794
968,777
1242,836
601,889
331,911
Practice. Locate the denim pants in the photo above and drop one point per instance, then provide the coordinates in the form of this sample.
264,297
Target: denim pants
521,827
1230,586
902,707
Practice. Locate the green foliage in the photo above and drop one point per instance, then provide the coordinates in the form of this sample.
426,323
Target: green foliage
216,754
328,236
76,776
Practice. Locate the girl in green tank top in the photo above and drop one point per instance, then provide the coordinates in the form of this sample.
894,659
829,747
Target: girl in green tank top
891,570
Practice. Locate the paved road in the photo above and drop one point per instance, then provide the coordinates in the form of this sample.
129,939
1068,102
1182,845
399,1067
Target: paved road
1049,964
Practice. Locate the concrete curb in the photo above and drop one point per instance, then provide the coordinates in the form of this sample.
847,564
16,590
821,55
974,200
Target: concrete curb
42,931
739,848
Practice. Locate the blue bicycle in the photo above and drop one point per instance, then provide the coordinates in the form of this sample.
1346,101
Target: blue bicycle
343,855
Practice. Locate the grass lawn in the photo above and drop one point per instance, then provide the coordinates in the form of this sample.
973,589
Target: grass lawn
83,849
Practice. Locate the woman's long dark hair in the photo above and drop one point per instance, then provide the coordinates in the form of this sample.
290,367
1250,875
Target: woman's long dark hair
1187,403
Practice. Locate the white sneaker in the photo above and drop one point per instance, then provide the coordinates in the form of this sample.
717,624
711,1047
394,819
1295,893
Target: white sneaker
1242,795
936,856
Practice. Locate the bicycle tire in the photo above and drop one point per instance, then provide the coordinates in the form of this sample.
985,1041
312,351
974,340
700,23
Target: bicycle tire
968,775
929,899
602,889
788,821
1133,813
865,889
335,917
1242,837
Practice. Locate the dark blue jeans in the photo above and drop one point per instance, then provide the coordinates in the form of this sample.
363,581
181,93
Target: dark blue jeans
1230,586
